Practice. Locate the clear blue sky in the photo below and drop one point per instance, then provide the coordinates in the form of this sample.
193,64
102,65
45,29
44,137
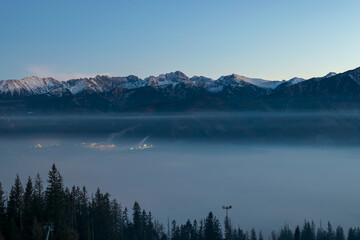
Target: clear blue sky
257,38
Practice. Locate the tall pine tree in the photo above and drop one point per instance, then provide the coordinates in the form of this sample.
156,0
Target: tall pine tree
212,228
15,211
297,233
2,212
55,204
28,216
339,234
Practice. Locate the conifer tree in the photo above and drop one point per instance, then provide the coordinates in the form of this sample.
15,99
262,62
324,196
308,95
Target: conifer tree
150,232
339,234
273,236
101,216
175,231
354,234
228,229
351,234
37,230
28,215
143,224
55,204
247,235
2,212
186,231
330,232
212,229
261,236
38,207
195,231
297,233
239,233
116,216
15,211
285,233
125,224
72,206
137,221
38,199
201,230
253,234
84,216
307,232
321,234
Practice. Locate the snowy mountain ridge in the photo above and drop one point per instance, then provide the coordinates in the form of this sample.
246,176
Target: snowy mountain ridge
177,92
29,86
104,83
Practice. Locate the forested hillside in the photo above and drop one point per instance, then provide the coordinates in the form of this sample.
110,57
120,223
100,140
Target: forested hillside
27,212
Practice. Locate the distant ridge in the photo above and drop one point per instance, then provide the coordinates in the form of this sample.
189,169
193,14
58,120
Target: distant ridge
177,92
104,83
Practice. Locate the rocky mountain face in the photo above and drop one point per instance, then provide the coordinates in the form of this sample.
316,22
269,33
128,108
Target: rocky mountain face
177,92
29,86
101,84
340,91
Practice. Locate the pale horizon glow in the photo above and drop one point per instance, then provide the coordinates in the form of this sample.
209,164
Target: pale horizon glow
272,40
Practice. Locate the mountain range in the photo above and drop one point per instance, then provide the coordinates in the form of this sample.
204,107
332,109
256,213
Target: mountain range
177,92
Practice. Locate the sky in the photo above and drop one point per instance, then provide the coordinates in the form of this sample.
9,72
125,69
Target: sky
274,40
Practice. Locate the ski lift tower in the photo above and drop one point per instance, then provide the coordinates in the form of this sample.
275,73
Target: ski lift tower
49,228
227,209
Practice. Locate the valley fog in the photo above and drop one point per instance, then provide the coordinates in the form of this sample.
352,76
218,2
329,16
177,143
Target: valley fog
338,128
273,168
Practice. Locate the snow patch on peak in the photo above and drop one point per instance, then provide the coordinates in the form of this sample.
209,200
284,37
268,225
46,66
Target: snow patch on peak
330,74
179,76
295,80
200,81
166,79
103,83
29,86
255,81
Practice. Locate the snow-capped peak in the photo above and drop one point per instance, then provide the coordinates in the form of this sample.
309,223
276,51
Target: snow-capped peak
29,86
255,81
102,83
166,79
